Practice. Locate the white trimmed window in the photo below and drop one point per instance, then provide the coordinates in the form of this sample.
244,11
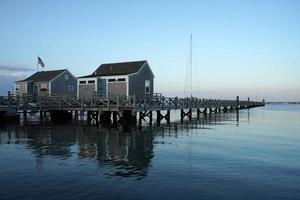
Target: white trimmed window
43,87
66,76
17,87
147,86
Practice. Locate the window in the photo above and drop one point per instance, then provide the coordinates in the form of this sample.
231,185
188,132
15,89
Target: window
111,80
66,76
147,86
17,87
121,79
82,82
71,88
43,87
91,81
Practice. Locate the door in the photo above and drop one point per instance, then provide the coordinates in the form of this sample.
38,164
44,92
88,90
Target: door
101,87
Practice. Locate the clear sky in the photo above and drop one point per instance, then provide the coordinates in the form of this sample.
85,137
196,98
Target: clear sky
247,48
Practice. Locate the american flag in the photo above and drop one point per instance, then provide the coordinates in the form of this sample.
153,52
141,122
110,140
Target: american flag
40,62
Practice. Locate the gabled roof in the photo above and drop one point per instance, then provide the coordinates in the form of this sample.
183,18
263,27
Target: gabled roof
44,76
123,68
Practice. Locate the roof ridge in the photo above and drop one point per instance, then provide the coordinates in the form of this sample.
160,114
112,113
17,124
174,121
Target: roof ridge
53,70
124,62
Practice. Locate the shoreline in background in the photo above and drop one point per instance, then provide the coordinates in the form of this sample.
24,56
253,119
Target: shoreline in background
279,102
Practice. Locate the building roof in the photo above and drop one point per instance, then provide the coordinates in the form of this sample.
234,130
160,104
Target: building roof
44,76
113,69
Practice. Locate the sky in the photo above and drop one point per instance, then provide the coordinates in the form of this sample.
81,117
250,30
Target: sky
240,47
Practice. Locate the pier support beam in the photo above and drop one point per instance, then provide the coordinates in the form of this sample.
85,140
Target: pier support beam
161,117
93,117
237,102
41,115
143,115
158,117
6,117
76,115
188,114
105,118
115,118
127,117
60,116
25,115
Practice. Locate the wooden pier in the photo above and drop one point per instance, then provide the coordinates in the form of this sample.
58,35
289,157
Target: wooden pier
116,110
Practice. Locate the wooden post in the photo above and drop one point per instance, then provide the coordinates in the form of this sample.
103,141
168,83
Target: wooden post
150,118
25,115
237,102
181,115
198,113
168,117
140,118
190,114
41,114
76,115
158,118
89,116
96,117
115,118
9,100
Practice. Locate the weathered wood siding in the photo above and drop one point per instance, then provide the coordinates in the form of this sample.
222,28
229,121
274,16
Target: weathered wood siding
86,90
22,88
137,82
37,88
61,85
117,89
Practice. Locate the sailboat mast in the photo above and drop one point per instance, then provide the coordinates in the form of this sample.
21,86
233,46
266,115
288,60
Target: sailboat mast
188,87
191,64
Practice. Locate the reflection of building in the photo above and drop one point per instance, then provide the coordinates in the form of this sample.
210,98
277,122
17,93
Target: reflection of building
131,153
118,79
126,154
48,82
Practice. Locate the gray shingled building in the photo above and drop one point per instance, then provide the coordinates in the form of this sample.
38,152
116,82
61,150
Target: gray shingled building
118,79
55,82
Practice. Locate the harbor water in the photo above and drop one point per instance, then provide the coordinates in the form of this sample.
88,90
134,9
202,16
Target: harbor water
254,154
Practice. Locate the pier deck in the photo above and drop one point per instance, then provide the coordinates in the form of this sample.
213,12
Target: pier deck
96,106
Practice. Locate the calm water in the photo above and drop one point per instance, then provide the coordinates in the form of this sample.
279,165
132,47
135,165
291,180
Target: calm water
253,156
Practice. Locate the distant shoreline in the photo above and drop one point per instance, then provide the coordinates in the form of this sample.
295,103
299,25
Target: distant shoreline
282,102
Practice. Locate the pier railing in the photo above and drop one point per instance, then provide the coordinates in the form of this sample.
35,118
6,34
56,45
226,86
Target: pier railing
158,102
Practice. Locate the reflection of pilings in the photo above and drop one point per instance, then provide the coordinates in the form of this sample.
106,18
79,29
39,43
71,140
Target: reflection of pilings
237,117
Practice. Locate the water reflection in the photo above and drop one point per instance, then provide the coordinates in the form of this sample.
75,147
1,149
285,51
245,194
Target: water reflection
131,152
127,152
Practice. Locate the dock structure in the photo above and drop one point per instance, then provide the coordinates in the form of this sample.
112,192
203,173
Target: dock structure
116,110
